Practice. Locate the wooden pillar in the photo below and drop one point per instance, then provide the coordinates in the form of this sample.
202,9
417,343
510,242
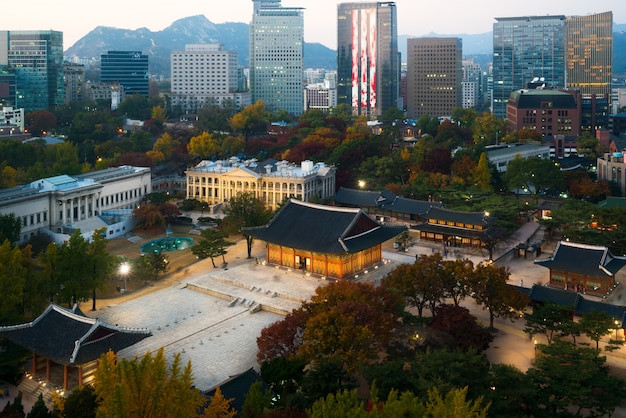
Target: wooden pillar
65,383
326,265
47,370
80,376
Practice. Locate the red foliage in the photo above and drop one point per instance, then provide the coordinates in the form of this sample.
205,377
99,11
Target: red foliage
438,160
282,338
136,159
458,322
306,151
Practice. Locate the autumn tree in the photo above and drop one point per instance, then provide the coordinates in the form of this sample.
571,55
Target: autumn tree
245,210
283,338
482,173
166,145
463,326
253,119
146,387
148,215
490,290
203,145
349,322
219,406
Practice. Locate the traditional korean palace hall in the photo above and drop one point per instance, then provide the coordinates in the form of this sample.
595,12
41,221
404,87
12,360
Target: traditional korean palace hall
66,344
385,205
329,241
583,268
455,228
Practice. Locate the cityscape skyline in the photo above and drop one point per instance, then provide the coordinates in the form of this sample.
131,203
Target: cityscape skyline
414,19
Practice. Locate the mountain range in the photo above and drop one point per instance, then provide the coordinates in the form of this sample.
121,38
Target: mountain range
234,36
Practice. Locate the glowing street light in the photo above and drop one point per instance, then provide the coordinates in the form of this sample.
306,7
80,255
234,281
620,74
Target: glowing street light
124,270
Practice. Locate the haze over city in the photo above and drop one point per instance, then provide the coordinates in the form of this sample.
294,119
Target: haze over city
75,20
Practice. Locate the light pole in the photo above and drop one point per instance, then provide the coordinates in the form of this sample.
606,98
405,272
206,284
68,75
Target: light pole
616,328
124,269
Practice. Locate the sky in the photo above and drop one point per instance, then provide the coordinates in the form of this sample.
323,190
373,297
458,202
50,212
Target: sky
76,18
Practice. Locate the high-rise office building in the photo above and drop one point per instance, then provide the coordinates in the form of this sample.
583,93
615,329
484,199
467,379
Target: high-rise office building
74,80
434,76
472,84
204,74
36,57
276,56
525,48
589,60
368,61
128,68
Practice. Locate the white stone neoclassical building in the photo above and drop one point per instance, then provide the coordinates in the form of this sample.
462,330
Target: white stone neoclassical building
273,182
62,204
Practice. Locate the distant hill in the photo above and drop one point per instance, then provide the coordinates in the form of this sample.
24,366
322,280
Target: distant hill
189,30
234,37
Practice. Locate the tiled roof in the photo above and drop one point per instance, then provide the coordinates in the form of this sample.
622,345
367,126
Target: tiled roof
68,337
383,199
323,229
461,232
471,218
590,260
557,296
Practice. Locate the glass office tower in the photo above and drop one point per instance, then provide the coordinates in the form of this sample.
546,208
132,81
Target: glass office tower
526,48
128,68
589,61
368,61
276,56
36,58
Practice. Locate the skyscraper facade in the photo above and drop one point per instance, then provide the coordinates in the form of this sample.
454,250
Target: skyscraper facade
128,68
589,62
368,61
434,76
525,48
36,57
204,74
276,56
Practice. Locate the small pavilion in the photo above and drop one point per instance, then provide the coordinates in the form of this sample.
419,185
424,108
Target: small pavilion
330,241
68,343
583,268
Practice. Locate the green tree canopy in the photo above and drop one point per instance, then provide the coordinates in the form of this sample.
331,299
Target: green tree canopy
245,210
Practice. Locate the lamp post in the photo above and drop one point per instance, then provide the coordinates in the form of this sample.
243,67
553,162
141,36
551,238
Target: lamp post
124,269
616,328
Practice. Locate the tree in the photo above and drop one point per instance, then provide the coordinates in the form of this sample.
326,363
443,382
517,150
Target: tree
257,401
253,119
550,320
39,409
12,282
149,215
282,339
491,291
488,129
536,175
79,403
587,146
10,228
146,387
219,406
141,140
74,271
349,322
420,283
212,244
203,145
101,263
596,324
573,381
463,326
166,145
482,173
243,211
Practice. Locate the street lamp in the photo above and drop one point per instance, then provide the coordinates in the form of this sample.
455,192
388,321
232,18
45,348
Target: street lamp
616,328
124,269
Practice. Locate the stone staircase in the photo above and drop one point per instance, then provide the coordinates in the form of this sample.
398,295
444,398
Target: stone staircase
34,389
